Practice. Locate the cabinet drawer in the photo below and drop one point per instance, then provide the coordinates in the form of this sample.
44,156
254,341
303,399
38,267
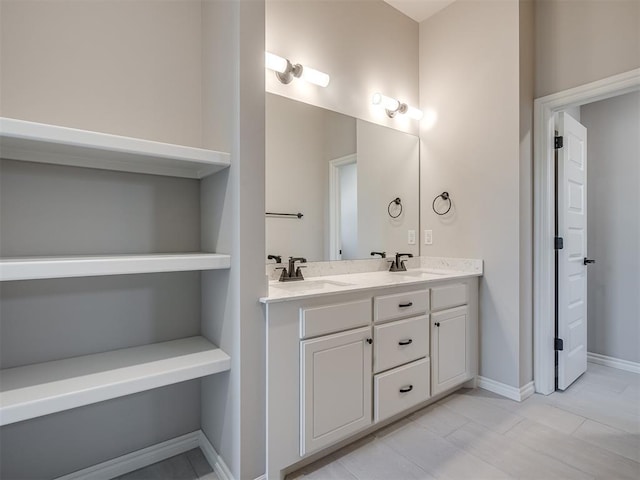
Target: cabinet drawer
448,296
398,305
401,388
334,318
400,342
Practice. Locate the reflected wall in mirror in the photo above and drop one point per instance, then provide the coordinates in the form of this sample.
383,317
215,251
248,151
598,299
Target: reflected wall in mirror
340,173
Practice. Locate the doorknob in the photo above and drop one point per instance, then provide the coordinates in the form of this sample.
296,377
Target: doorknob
587,261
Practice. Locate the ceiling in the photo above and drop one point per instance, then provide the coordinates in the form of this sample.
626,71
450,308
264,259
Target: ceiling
419,10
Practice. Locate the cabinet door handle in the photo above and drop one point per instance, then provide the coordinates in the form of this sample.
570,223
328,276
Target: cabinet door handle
406,389
437,324
404,305
409,341
369,341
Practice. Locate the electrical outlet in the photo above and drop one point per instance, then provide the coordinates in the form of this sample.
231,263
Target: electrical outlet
428,237
411,237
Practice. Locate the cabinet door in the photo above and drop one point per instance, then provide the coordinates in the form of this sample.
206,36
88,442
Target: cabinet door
335,387
451,358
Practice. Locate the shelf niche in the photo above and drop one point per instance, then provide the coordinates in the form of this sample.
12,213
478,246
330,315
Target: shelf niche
41,389
44,143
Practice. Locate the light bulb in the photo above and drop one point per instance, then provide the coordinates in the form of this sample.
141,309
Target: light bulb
390,104
274,62
414,113
314,76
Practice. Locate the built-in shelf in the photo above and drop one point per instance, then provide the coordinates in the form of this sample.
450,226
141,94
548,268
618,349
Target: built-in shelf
40,389
33,268
39,142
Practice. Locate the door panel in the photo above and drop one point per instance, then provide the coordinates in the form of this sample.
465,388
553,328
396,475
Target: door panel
335,387
572,273
451,364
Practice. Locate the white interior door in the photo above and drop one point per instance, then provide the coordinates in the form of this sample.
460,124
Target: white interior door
336,203
572,271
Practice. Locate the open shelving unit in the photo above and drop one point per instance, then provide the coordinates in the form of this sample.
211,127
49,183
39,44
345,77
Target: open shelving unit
40,389
34,268
43,143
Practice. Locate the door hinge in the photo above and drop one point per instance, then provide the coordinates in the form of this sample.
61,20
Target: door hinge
558,142
558,344
558,243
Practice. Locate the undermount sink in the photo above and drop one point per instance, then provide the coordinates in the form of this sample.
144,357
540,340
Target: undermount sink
307,285
420,274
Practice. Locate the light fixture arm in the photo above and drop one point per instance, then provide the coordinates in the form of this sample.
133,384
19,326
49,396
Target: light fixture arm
292,70
402,108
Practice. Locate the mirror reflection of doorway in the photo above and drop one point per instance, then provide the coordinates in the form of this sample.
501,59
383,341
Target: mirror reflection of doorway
343,208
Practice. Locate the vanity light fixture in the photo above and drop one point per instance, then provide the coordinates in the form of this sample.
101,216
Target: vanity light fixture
285,71
393,106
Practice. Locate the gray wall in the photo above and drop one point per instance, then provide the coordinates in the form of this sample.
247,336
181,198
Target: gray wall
578,42
470,77
232,206
613,229
57,210
54,445
129,68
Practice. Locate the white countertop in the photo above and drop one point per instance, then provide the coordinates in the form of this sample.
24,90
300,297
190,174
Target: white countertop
353,282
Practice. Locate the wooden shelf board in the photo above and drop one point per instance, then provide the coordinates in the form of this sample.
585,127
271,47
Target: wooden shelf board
32,268
41,389
39,142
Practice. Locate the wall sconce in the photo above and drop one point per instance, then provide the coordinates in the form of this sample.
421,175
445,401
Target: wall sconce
393,106
285,71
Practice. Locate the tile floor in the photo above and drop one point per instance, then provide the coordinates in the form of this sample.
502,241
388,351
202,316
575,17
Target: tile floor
590,431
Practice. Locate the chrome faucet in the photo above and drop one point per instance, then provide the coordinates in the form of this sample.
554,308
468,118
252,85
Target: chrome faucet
293,274
398,265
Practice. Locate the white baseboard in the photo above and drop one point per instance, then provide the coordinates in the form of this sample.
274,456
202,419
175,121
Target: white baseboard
138,459
214,459
156,453
513,393
613,362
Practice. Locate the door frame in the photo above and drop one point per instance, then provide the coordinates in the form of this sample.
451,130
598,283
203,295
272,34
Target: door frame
544,112
334,203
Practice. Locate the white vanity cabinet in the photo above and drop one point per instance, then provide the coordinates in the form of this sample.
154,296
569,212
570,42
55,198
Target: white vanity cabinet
401,350
335,377
451,337
335,372
340,365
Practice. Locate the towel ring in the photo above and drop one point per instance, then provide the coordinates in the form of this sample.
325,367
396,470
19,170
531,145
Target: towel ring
446,197
396,201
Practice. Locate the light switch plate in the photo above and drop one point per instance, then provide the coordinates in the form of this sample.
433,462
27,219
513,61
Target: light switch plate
428,237
411,237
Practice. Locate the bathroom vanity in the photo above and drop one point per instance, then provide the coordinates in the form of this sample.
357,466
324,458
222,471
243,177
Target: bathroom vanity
350,353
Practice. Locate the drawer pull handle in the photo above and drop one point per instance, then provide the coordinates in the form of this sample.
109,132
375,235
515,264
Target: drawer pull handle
369,341
406,389
437,324
404,305
405,342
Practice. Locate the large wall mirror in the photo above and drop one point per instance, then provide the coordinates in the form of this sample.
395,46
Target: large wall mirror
342,175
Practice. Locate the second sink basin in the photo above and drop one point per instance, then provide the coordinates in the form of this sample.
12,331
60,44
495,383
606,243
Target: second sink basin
421,274
307,285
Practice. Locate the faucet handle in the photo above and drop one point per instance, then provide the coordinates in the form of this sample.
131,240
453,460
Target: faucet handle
284,273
